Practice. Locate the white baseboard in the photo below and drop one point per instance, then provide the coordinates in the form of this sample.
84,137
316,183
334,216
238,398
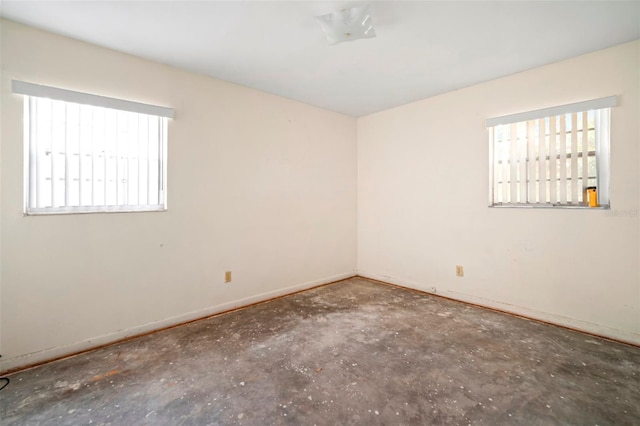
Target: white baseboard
26,360
575,324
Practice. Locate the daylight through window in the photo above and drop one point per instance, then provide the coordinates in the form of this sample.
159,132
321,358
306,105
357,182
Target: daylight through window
93,158
548,158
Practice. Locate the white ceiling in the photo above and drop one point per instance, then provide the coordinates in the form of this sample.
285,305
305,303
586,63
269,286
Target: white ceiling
422,48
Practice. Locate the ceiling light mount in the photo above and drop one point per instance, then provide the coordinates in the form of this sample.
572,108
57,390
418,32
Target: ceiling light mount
347,24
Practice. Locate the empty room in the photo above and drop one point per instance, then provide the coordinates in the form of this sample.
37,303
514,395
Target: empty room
319,213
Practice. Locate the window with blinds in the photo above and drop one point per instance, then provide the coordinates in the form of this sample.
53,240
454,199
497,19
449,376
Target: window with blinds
86,153
549,157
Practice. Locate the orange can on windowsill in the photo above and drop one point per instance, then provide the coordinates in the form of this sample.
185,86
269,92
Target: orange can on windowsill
592,195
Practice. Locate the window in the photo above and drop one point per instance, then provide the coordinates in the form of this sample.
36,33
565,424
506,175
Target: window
87,153
549,157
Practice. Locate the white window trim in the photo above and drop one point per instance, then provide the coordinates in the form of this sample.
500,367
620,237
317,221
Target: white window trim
40,91
600,103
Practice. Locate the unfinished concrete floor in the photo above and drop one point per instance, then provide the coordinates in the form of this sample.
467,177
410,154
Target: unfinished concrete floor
354,352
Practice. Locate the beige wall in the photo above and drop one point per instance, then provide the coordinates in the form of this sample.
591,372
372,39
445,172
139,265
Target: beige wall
423,196
258,184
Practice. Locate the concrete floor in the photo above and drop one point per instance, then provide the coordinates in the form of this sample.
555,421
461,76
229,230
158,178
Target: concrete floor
354,352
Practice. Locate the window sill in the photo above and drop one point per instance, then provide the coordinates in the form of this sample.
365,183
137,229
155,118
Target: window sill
548,206
61,211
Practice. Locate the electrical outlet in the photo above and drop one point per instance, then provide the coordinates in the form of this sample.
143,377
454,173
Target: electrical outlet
459,271
227,277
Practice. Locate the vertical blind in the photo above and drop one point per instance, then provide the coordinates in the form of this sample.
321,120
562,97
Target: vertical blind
82,156
91,156
550,157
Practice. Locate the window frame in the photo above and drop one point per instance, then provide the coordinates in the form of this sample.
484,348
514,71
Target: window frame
31,91
602,127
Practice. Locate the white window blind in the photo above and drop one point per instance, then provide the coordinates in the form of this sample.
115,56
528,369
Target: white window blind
84,157
550,157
